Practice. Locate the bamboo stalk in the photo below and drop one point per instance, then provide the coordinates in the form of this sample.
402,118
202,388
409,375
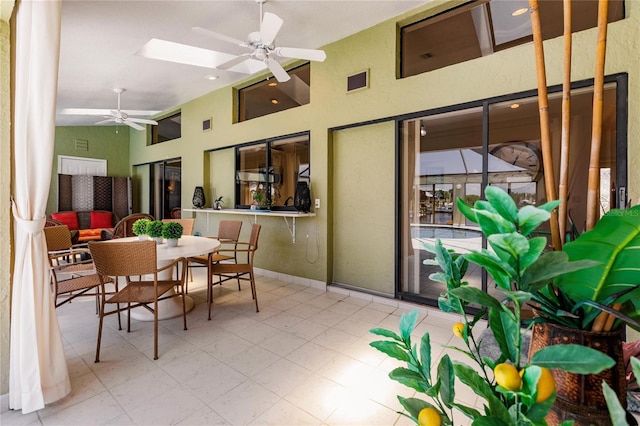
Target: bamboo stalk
596,129
601,319
563,185
611,318
543,106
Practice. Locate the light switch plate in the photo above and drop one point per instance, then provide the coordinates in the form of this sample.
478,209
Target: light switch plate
317,203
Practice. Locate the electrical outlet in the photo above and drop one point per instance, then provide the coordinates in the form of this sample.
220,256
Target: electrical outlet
317,203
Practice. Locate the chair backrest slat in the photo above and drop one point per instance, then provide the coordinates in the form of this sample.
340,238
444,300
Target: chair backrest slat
118,259
187,224
229,230
58,237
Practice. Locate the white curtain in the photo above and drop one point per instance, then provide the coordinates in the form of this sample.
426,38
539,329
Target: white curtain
38,371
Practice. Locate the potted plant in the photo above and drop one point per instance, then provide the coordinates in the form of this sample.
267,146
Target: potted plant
260,201
139,228
154,230
172,231
218,203
523,274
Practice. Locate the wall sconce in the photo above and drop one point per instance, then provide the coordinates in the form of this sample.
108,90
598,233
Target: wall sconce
423,131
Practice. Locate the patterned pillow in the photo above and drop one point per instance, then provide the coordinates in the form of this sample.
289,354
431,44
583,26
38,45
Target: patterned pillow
67,218
101,219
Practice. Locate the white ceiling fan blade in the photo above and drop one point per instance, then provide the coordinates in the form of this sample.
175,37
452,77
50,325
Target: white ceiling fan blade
294,52
233,62
269,28
183,54
130,123
106,121
143,121
213,34
279,73
105,112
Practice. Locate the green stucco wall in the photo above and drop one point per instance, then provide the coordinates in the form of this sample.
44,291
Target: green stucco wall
102,142
6,256
509,71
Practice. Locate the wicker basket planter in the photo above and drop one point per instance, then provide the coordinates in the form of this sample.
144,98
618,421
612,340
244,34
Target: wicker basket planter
579,397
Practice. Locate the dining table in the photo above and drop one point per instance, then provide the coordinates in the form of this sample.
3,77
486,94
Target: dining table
188,246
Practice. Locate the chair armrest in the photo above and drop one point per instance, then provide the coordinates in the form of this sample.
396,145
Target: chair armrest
172,264
106,234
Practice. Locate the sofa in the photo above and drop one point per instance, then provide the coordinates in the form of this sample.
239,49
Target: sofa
88,224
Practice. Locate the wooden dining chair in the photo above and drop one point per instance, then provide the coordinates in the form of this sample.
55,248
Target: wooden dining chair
187,224
242,269
132,261
228,235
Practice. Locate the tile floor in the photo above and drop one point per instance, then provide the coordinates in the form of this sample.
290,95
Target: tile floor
304,359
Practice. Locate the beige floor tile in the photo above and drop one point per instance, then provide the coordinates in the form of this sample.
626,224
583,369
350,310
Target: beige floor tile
312,356
307,329
245,403
214,381
16,418
282,343
96,410
283,320
204,417
251,361
318,396
143,388
227,347
286,414
82,388
282,377
166,409
114,373
370,315
335,339
356,410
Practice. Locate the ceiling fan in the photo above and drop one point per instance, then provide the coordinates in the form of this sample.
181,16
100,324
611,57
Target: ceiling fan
118,116
261,43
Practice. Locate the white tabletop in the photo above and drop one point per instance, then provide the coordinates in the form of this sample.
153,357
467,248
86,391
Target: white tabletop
188,245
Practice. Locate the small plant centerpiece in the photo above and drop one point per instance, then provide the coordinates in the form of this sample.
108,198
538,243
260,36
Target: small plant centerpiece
154,230
218,203
260,201
140,228
172,231
514,390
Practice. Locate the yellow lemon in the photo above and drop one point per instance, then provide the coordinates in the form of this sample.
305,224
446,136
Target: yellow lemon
507,376
458,329
546,385
429,417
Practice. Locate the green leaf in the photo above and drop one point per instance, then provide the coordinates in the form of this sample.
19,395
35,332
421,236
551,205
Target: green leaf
414,406
386,333
466,210
472,413
550,206
505,331
447,378
407,324
477,296
409,378
530,217
536,247
392,349
489,421
514,244
492,223
471,378
577,359
425,355
530,384
549,266
616,411
502,202
614,242
501,271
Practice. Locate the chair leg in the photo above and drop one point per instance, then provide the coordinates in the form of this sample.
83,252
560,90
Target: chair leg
128,317
253,289
155,328
99,332
209,288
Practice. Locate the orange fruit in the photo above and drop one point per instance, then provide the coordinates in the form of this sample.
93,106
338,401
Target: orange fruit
546,385
507,376
458,329
429,416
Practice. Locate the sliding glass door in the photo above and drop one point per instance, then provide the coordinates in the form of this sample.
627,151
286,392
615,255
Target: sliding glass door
166,188
457,153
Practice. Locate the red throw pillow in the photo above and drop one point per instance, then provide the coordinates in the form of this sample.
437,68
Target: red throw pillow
101,219
67,218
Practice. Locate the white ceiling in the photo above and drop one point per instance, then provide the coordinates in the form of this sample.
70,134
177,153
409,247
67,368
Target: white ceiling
100,40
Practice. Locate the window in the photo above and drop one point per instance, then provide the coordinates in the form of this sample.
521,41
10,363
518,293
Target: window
481,28
267,172
456,154
269,96
168,128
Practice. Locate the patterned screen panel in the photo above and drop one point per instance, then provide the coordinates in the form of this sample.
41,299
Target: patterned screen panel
87,193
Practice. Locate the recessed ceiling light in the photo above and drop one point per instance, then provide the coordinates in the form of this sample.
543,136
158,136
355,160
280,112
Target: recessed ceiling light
211,77
519,12
272,84
275,101
514,106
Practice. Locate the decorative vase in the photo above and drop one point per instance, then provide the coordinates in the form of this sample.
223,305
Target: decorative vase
142,237
579,397
198,198
158,240
302,199
172,242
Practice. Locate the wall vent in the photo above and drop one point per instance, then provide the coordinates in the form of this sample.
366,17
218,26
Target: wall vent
358,81
82,145
206,124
